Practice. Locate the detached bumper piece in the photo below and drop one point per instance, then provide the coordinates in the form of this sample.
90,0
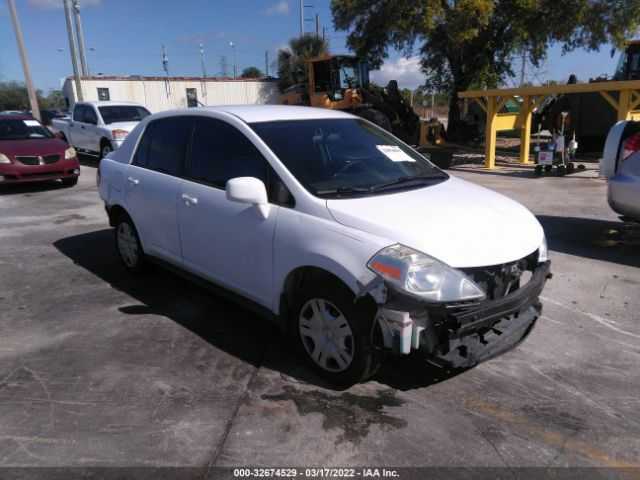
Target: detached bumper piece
460,336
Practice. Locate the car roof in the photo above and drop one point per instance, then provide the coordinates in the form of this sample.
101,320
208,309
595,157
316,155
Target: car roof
15,116
271,113
104,103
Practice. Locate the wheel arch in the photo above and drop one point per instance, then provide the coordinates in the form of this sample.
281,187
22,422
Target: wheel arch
302,276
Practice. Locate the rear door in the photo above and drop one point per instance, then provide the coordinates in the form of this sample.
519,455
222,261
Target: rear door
76,126
223,241
152,183
91,134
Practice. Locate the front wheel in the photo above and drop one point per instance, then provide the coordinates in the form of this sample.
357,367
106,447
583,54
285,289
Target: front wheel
334,334
129,246
105,149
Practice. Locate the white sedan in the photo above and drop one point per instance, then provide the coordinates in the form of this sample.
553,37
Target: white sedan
348,238
621,162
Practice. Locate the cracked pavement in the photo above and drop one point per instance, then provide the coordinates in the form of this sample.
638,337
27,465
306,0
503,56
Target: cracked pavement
100,369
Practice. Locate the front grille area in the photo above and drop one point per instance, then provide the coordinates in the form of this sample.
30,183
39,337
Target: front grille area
500,280
42,175
35,160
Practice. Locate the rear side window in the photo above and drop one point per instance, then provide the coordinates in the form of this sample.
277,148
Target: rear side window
78,113
168,144
90,115
142,153
220,152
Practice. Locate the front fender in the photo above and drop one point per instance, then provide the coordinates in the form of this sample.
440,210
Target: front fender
307,241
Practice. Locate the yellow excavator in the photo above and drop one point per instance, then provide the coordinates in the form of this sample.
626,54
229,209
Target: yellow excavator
341,82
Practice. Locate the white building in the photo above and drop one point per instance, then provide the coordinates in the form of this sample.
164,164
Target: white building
159,93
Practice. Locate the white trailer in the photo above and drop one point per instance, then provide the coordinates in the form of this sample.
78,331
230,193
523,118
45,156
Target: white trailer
161,93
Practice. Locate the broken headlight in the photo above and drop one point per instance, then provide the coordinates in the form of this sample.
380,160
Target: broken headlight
422,276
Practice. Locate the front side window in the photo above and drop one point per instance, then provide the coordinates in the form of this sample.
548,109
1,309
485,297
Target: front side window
168,145
346,157
220,152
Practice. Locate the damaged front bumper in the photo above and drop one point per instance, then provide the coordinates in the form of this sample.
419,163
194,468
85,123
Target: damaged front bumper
461,335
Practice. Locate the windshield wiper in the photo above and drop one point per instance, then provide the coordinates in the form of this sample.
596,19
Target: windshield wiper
344,190
406,179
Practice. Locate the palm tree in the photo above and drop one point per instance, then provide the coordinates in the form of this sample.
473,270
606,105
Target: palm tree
292,62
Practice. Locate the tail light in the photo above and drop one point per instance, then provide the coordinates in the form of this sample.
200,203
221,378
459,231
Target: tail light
98,176
631,146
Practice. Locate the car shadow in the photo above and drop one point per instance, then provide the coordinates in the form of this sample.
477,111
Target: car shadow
226,325
609,241
29,188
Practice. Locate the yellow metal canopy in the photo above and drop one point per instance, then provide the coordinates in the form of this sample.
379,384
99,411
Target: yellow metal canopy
627,105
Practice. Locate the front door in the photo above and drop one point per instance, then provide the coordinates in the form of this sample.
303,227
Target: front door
224,241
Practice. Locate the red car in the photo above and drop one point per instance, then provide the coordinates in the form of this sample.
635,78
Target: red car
29,152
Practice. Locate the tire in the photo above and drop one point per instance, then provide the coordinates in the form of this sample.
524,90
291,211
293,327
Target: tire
570,168
69,182
129,247
538,170
327,310
547,168
561,170
377,117
105,148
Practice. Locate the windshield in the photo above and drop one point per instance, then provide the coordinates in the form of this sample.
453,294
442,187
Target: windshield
18,129
123,113
346,157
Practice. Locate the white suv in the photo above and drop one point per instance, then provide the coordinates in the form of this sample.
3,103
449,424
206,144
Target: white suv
332,227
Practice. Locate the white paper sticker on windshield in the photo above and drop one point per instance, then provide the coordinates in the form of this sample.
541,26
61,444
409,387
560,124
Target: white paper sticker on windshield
394,153
31,123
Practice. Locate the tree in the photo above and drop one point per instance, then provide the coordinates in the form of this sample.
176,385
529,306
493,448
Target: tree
292,63
252,72
14,96
469,43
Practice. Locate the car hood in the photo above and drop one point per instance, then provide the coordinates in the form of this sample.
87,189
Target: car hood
128,126
42,146
457,222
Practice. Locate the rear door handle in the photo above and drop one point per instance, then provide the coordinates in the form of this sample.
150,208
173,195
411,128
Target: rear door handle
189,200
133,181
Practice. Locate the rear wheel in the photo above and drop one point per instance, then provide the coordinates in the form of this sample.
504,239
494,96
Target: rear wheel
377,117
561,170
334,334
129,246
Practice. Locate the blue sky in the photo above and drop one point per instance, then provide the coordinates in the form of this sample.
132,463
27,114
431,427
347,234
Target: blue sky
127,36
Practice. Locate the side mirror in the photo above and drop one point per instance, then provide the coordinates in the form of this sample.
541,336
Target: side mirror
249,190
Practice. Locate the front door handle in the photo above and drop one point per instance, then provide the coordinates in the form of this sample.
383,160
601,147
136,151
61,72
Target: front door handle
133,181
189,200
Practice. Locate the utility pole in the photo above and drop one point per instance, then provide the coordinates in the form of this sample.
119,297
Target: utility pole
266,62
324,34
165,66
33,99
301,18
317,25
83,58
235,59
204,71
72,50
522,67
